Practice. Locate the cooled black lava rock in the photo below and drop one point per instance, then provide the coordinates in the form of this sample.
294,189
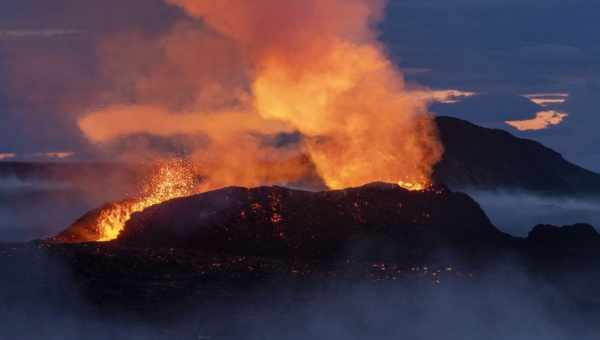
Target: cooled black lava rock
375,221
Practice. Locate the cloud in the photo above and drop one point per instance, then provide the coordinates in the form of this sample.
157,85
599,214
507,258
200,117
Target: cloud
517,46
40,33
535,209
7,155
451,96
56,155
548,99
271,68
93,16
489,109
577,138
542,120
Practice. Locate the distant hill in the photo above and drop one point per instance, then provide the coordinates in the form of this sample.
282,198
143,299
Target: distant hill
490,159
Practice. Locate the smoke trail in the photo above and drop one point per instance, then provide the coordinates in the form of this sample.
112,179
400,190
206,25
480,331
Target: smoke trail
244,69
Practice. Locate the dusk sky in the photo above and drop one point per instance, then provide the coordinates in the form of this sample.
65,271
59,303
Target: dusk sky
513,60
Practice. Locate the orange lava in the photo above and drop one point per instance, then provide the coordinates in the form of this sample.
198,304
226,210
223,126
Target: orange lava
172,180
415,186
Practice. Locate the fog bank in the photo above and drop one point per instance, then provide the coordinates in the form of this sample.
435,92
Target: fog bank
518,212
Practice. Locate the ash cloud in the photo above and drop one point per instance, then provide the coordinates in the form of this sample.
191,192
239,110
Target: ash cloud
235,74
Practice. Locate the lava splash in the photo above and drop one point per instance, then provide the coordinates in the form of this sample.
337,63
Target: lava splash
171,179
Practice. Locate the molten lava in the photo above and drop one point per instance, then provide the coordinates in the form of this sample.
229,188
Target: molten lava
172,180
415,186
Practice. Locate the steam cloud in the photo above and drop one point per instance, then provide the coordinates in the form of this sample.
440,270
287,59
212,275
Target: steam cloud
499,304
238,70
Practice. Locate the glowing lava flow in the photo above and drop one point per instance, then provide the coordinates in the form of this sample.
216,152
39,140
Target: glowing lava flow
416,186
172,180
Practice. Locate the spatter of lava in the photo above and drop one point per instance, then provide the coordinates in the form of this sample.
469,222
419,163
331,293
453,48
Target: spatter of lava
172,179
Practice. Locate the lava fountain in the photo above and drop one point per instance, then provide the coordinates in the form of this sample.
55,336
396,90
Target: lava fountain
171,180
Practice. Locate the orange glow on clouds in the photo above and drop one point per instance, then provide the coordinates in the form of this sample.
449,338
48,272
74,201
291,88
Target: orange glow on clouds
7,155
542,121
451,96
548,99
268,67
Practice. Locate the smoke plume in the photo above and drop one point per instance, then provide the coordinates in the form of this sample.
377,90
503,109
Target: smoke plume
237,71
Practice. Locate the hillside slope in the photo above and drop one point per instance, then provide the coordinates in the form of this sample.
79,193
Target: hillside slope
482,158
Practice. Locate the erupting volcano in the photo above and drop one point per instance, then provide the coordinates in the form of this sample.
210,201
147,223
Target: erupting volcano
271,169
239,74
384,219
169,181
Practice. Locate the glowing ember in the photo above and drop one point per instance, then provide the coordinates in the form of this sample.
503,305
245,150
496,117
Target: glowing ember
416,186
172,180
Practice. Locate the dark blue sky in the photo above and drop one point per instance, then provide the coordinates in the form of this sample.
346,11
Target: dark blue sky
501,49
